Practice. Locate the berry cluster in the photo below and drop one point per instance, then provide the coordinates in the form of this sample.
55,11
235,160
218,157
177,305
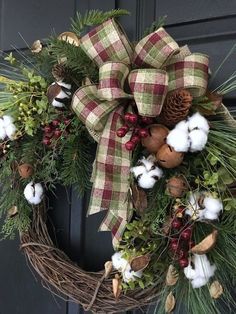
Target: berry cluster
181,240
55,129
138,125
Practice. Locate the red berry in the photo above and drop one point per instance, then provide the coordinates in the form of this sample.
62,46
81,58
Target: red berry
57,133
125,127
186,234
127,116
147,120
46,141
182,253
47,129
133,118
121,132
67,121
129,145
135,139
183,262
55,122
176,224
143,133
174,246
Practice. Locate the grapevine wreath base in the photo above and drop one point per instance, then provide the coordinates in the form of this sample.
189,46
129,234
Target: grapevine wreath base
90,289
164,171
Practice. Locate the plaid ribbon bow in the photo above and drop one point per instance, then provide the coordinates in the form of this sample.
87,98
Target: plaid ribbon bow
162,67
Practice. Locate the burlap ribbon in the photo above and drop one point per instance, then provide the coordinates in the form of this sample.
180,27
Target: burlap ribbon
160,67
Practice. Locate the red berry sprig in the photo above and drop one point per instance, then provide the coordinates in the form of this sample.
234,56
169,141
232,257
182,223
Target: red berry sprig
55,129
138,125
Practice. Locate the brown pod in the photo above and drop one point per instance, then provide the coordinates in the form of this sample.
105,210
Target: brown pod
176,186
53,91
156,139
167,157
140,262
25,170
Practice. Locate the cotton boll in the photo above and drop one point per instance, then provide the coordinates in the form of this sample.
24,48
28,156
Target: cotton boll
138,170
197,121
203,267
119,262
213,204
193,206
198,140
33,193
198,282
10,130
146,181
7,120
189,272
178,139
156,173
182,125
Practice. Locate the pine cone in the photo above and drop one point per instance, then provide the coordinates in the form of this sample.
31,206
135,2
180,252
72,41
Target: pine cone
60,72
176,107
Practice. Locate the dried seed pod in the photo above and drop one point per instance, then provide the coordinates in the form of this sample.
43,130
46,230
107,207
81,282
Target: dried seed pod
170,303
108,268
206,244
216,289
116,286
156,139
70,37
139,199
140,262
36,46
177,186
25,170
12,212
167,157
172,276
166,225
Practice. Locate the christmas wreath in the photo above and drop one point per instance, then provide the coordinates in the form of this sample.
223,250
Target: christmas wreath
164,168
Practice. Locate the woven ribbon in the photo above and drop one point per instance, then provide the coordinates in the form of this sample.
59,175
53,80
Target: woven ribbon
159,66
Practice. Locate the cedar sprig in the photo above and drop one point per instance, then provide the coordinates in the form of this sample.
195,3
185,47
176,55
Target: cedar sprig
94,17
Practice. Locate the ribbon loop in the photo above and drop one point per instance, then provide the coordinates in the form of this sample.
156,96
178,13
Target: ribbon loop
155,49
149,87
107,42
190,73
112,76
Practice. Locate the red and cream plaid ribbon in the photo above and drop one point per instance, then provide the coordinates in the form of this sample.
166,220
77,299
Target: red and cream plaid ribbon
162,67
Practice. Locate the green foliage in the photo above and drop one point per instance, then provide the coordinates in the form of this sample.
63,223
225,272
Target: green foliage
92,18
155,25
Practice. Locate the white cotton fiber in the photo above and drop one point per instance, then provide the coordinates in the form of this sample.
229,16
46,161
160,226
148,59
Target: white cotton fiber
182,125
210,216
147,163
213,205
118,261
7,120
33,193
197,121
198,140
189,272
57,104
179,140
10,130
146,181
138,170
68,86
203,267
199,282
130,275
3,133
